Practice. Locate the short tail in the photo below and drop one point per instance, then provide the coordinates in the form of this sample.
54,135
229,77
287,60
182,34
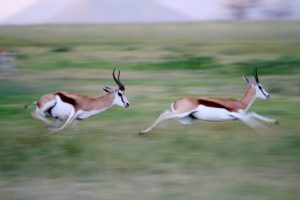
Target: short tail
32,103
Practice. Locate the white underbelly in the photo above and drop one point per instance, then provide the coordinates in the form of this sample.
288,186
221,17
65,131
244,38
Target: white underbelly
212,114
82,114
61,110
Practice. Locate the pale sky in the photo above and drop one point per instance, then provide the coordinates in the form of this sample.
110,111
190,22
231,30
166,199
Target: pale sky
208,10
10,7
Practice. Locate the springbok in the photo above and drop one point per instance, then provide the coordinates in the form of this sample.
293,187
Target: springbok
188,109
67,107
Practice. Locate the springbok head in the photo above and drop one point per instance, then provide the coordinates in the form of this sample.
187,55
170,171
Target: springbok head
260,91
119,96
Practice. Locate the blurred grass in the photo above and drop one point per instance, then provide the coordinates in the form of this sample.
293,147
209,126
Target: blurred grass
104,158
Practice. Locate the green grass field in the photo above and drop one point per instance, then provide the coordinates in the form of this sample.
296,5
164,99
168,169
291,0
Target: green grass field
103,157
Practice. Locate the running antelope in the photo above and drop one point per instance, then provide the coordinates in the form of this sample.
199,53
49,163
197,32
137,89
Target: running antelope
188,109
57,107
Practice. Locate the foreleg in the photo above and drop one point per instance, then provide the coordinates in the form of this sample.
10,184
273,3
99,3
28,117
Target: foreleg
263,118
70,119
247,119
55,124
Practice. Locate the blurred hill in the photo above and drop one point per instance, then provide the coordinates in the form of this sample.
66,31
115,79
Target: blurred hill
96,11
130,11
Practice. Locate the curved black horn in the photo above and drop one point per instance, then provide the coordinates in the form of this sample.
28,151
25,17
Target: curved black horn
119,76
121,85
118,81
255,75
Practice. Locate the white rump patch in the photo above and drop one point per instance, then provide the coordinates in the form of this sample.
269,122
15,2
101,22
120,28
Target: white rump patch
61,110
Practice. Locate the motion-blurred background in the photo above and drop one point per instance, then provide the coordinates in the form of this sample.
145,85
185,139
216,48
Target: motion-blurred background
165,50
128,11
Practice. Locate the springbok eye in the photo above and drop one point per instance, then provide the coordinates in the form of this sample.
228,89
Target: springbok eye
259,87
119,93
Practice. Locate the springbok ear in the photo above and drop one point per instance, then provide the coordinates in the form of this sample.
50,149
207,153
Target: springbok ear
108,89
249,81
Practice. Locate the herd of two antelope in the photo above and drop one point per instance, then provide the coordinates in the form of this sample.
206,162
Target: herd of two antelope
60,109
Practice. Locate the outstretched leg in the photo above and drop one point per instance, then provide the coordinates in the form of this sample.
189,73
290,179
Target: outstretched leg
164,116
262,118
247,119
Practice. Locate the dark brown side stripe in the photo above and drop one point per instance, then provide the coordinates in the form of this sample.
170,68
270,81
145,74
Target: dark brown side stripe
67,99
212,104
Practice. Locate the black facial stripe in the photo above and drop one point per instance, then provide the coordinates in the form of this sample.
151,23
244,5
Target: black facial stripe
121,96
262,91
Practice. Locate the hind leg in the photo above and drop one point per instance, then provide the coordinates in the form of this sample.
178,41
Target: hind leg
40,116
164,116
